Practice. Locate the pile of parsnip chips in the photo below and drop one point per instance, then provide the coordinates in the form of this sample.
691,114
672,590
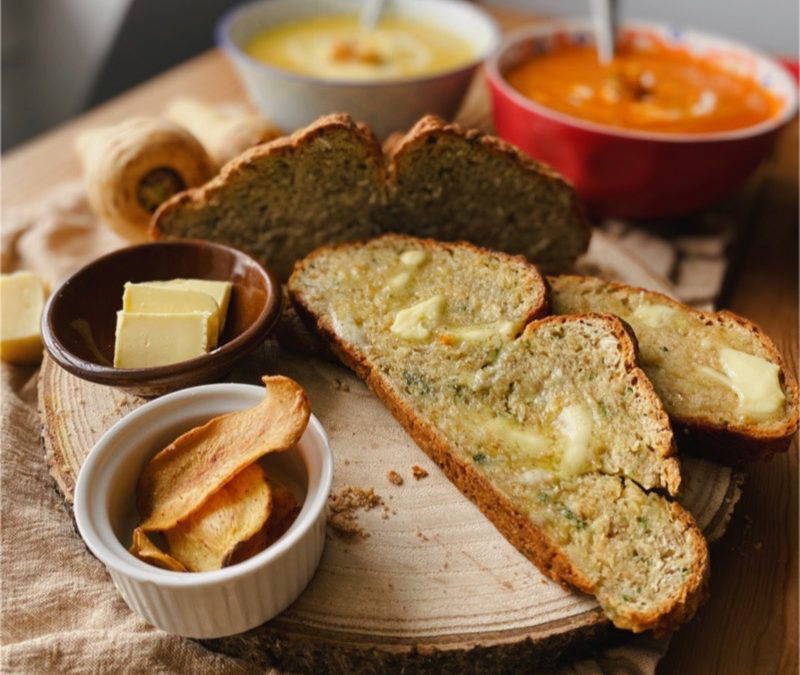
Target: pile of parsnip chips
207,496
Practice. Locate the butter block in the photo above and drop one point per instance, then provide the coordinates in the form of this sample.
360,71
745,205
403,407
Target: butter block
219,290
575,424
482,332
756,382
146,340
22,297
149,299
416,322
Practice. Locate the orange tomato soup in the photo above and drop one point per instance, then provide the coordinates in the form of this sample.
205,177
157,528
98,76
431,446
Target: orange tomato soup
652,88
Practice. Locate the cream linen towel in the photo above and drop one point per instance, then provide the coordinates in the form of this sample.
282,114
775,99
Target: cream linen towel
60,611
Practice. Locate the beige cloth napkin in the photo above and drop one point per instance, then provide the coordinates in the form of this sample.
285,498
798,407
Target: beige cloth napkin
60,611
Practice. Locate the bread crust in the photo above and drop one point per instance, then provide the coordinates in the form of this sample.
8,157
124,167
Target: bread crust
735,443
529,539
278,146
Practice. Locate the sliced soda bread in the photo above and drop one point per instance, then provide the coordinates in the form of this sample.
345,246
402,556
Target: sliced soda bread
455,184
722,381
280,200
546,424
327,184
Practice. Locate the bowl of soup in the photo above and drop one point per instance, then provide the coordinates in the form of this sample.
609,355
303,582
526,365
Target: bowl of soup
299,59
678,120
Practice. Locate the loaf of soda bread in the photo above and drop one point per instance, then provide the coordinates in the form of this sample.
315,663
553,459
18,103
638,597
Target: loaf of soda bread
722,381
331,182
547,424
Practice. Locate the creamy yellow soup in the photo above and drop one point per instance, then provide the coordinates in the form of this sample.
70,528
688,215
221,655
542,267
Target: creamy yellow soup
335,47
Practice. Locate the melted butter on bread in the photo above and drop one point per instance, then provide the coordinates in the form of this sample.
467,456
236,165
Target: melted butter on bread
413,258
417,321
755,380
654,316
575,424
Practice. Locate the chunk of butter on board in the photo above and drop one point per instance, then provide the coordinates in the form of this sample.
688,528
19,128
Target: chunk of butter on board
146,340
22,296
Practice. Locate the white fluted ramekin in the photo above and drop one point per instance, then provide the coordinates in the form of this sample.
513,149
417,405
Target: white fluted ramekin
201,604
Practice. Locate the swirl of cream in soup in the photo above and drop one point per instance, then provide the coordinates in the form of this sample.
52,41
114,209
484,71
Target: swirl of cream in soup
335,47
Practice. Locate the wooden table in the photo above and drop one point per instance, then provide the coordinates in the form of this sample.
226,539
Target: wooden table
750,623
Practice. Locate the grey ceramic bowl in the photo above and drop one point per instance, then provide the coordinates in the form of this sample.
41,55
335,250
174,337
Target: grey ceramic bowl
293,101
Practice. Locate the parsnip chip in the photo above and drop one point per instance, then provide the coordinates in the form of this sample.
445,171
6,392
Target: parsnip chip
233,514
284,511
144,549
180,478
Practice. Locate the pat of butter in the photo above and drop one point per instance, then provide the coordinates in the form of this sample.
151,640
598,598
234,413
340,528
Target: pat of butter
416,322
575,424
413,258
654,316
22,296
149,340
755,380
484,331
518,438
219,290
399,281
149,299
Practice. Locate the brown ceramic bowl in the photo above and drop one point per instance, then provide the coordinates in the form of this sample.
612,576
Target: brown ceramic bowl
79,321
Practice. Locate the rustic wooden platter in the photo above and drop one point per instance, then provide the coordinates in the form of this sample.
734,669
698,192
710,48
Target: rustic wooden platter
432,584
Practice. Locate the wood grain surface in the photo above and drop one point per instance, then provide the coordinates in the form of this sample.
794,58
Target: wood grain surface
751,621
430,584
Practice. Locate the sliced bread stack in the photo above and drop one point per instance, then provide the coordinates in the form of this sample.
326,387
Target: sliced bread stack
548,425
722,380
331,182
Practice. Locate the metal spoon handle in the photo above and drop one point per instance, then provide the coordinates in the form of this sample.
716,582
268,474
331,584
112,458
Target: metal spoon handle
371,12
604,18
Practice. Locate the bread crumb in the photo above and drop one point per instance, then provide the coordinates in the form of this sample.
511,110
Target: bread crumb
395,478
419,472
342,508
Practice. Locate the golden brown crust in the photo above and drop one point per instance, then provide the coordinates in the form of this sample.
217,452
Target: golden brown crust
733,443
241,163
515,526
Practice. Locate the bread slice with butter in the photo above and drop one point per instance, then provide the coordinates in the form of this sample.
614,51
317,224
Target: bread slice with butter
328,183
548,425
722,380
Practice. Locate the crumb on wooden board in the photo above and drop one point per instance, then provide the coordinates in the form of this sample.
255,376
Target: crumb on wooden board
394,478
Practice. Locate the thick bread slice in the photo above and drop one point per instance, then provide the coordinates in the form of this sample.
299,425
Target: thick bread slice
280,200
326,184
455,184
530,426
722,381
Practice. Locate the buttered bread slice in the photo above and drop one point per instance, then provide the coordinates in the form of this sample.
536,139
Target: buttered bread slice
720,377
548,425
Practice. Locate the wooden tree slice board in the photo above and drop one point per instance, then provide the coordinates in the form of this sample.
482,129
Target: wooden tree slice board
432,585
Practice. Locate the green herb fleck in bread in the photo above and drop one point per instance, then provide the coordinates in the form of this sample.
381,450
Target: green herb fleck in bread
722,381
547,424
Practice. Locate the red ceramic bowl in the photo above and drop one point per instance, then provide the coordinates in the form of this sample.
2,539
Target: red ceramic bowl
637,174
